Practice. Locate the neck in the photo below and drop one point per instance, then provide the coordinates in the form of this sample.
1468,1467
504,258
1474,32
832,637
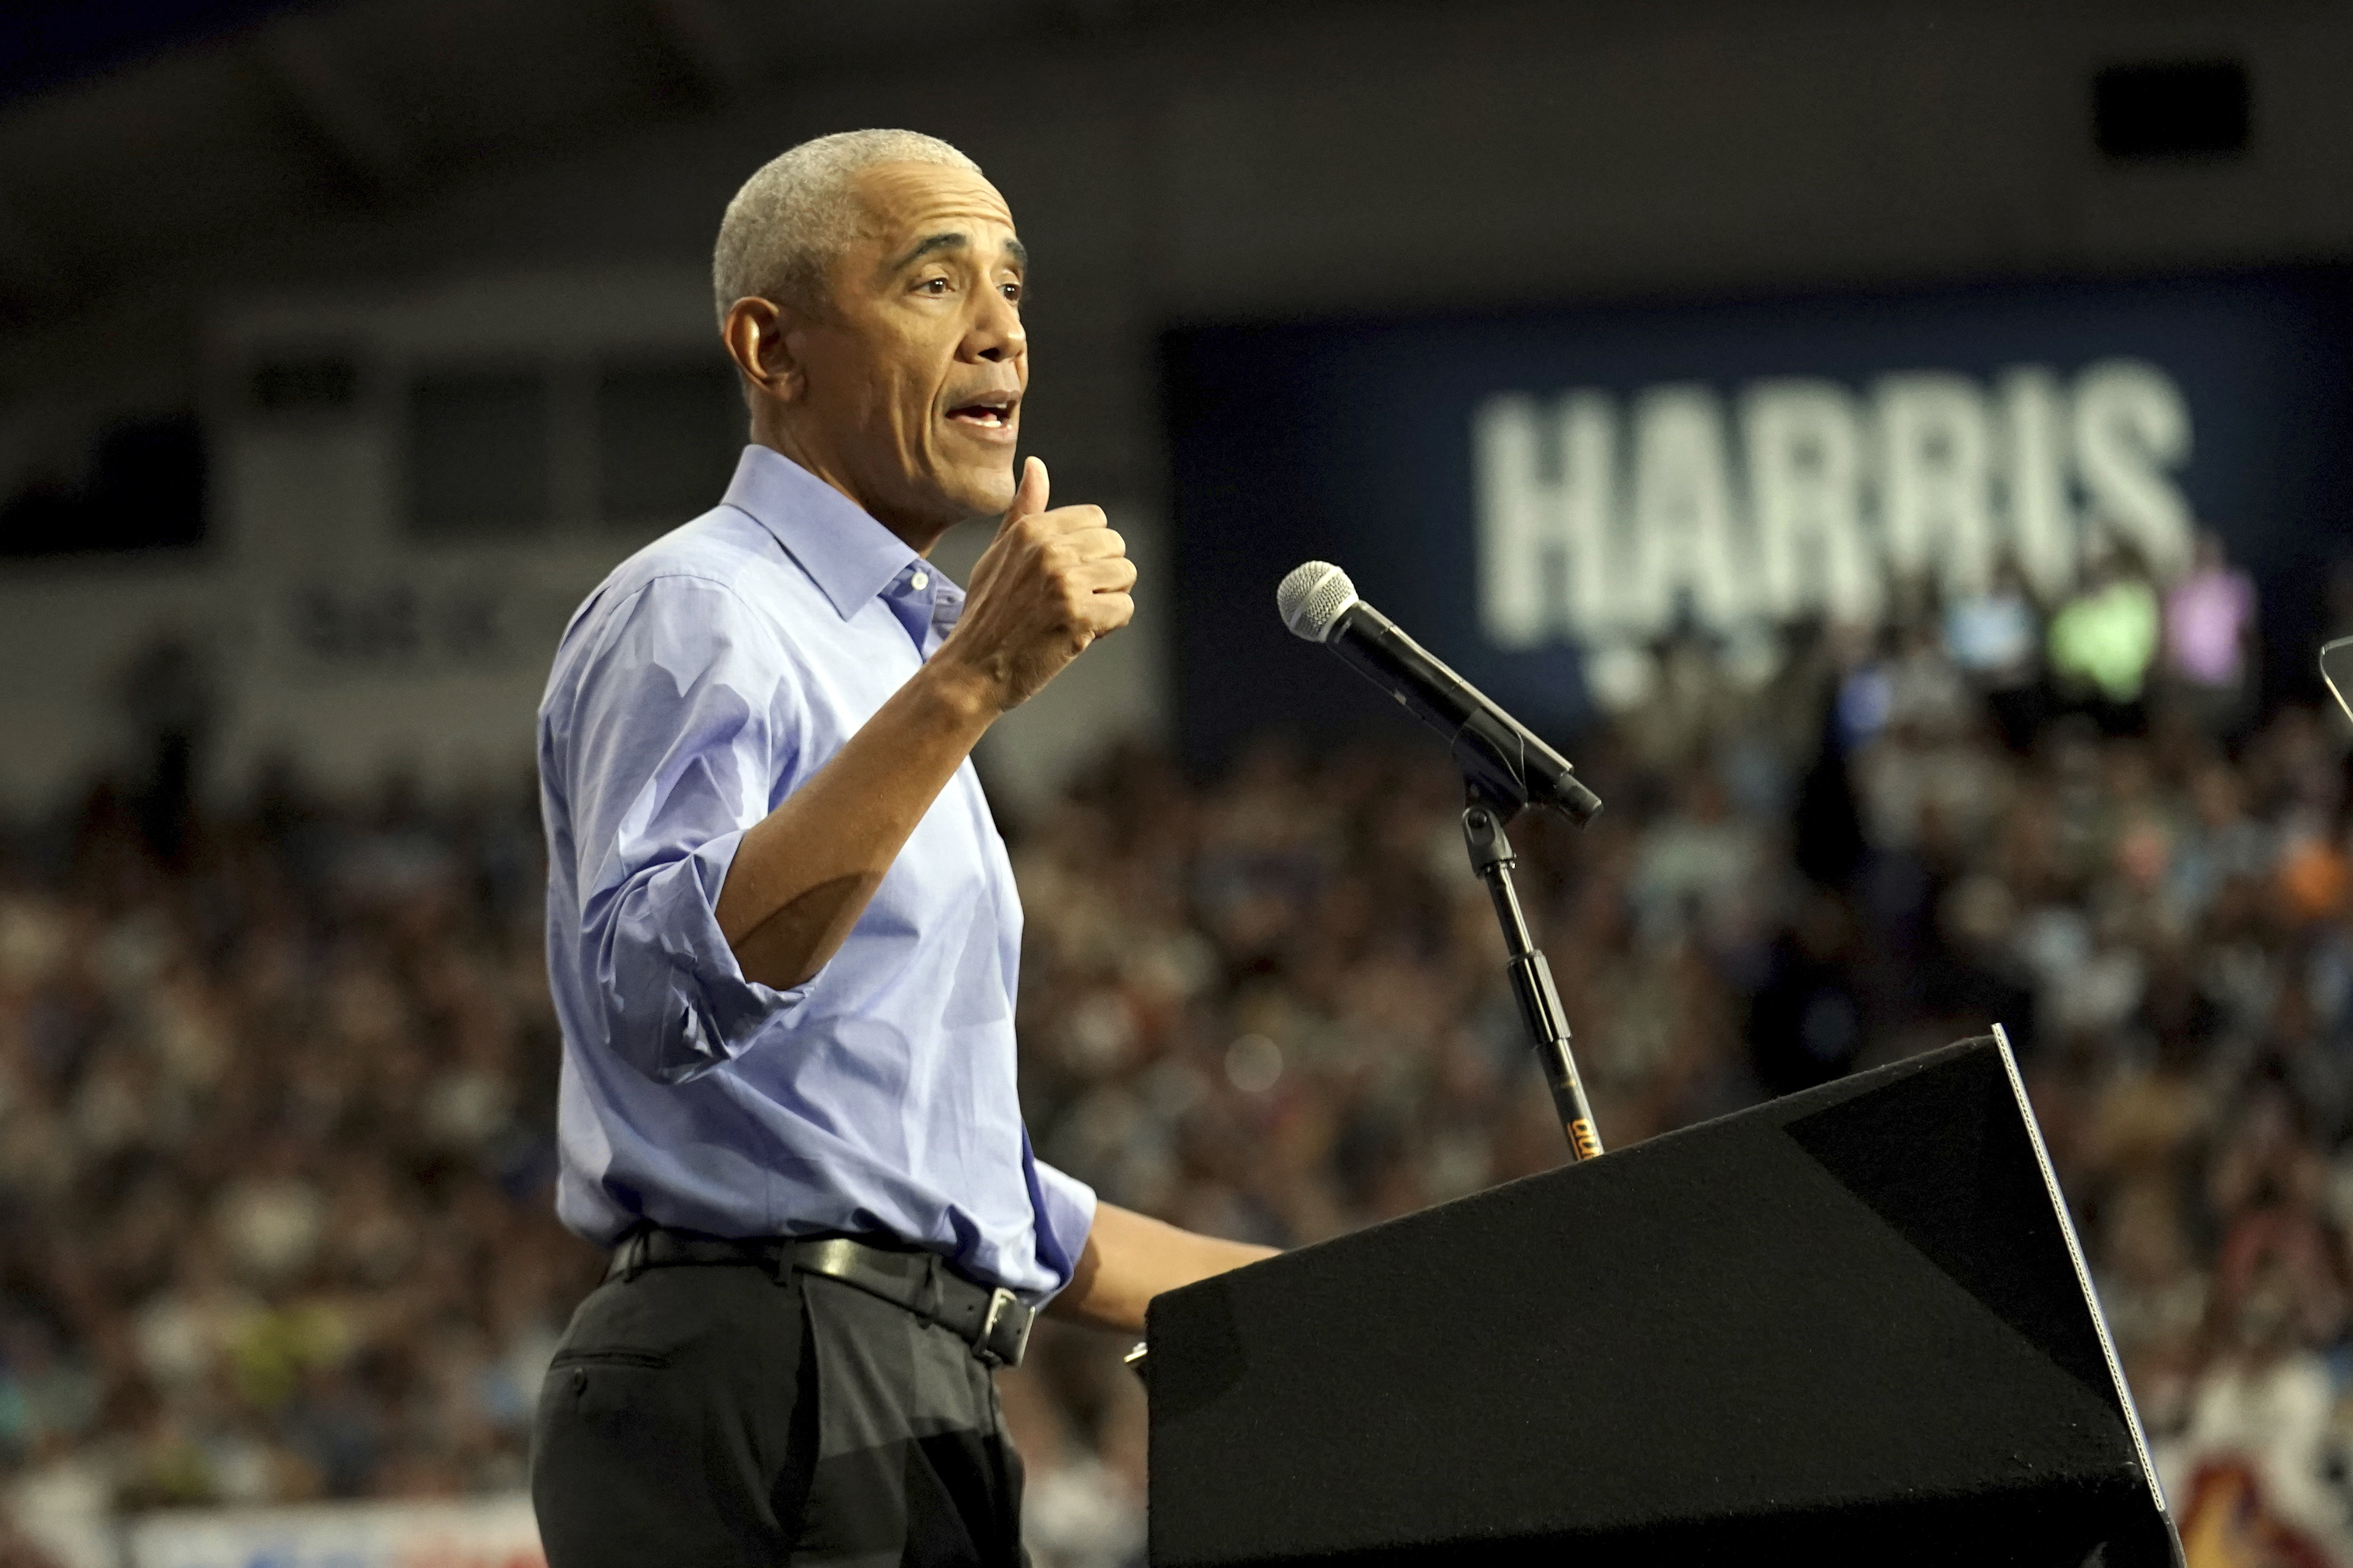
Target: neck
920,534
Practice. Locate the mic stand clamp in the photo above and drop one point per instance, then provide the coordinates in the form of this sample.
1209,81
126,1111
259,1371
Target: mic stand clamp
1493,859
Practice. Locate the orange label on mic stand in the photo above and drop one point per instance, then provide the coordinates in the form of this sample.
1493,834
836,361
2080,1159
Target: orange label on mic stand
1582,1140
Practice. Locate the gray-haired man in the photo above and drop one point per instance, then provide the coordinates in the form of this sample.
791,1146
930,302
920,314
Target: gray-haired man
783,934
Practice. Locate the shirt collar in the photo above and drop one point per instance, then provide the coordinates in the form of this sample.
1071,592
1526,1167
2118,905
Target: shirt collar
848,554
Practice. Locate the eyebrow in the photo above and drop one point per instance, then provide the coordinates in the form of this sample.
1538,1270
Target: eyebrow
932,245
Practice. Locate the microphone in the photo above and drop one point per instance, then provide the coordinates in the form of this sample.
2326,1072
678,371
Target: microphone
1499,757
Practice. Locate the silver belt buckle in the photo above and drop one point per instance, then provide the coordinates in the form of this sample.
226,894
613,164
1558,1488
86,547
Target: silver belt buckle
1005,1331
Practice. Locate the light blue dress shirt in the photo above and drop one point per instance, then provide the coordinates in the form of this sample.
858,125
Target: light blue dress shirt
707,678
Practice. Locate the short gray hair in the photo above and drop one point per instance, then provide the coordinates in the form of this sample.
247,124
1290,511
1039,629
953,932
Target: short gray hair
788,223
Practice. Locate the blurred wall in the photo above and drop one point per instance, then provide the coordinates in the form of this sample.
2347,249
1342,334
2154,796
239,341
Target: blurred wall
416,182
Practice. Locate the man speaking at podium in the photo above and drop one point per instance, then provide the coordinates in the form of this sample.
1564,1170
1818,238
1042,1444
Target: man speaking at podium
782,934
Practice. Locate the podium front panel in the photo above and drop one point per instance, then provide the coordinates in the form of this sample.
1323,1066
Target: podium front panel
1852,1322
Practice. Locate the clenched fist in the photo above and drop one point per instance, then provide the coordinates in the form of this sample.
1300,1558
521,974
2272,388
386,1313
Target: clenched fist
1048,584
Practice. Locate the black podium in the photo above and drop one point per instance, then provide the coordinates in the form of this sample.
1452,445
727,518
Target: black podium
1850,1326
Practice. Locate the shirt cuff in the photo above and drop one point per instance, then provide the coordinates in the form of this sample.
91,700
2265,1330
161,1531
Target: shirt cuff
1066,1213
709,1013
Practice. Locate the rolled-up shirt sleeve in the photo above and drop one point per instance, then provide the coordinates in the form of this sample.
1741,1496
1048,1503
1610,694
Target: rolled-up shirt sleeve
1065,1207
682,736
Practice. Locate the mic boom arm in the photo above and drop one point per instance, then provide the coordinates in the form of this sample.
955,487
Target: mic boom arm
1494,754
1504,768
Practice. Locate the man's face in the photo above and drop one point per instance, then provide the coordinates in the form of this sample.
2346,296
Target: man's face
914,382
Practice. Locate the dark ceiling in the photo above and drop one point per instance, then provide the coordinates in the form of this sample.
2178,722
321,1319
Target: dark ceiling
50,43
173,145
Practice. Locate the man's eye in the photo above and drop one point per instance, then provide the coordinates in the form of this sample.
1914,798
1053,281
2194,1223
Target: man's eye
935,286
1011,292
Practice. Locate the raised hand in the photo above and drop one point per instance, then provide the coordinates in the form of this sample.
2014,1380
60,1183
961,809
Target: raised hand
1048,584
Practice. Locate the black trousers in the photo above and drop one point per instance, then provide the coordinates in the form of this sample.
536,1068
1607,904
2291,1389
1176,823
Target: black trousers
714,1416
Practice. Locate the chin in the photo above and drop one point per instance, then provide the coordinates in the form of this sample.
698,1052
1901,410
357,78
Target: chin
982,495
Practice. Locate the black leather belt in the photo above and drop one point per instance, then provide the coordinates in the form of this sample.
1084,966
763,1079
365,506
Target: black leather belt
995,1322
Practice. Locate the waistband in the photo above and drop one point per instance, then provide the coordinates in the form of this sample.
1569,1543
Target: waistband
993,1321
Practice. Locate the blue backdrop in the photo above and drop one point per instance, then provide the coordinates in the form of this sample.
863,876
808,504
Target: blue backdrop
1351,441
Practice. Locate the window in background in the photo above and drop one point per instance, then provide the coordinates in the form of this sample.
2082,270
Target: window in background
2172,109
142,487
478,455
323,384
667,439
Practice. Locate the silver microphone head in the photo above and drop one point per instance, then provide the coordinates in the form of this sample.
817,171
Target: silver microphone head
1314,597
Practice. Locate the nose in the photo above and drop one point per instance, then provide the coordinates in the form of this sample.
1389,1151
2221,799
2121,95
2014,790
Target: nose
995,334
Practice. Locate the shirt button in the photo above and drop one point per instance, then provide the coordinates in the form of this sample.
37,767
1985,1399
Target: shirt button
919,582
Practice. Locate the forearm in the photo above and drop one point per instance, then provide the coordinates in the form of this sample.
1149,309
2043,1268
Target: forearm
1132,1257
803,874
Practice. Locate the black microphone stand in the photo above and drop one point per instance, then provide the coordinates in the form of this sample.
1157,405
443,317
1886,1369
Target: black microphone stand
1539,999
1492,857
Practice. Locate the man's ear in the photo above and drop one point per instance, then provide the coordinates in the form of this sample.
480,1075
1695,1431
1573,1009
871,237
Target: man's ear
758,337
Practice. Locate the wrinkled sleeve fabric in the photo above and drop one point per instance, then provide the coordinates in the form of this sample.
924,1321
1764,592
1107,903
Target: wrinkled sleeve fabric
687,725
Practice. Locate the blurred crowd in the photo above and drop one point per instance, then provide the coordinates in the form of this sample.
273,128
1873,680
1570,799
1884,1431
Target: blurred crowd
276,1105
277,1086
1273,1007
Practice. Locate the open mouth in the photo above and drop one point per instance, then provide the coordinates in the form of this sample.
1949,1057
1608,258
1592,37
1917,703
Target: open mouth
991,412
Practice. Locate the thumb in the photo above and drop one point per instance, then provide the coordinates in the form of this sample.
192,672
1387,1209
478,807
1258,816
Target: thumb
1031,495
